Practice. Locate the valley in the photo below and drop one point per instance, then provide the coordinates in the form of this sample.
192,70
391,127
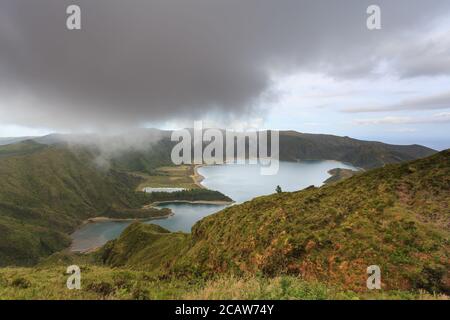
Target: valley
241,182
313,243
225,150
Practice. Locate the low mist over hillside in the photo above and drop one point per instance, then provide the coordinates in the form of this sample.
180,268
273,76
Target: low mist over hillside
141,150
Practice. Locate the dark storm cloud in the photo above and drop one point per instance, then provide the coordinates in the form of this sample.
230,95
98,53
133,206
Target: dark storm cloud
141,61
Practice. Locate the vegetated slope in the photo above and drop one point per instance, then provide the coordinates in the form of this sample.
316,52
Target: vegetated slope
100,282
339,174
189,195
141,150
11,140
365,154
45,191
20,148
396,217
145,247
157,155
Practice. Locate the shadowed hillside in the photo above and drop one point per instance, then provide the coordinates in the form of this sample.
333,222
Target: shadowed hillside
45,191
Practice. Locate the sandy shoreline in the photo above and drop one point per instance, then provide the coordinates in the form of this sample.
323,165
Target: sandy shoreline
197,177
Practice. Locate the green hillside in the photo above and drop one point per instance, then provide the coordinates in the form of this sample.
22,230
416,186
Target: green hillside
315,243
311,244
144,247
339,174
296,146
21,148
46,191
396,217
364,154
156,147
100,282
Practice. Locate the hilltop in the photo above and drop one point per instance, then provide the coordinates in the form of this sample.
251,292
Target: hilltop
296,146
154,148
311,244
397,217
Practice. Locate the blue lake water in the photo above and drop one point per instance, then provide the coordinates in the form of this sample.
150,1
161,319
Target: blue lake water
239,182
244,182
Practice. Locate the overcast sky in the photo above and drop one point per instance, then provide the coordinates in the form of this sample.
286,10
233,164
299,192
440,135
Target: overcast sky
311,66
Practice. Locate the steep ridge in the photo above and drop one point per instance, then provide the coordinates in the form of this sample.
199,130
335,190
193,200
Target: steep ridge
145,247
311,244
396,217
45,191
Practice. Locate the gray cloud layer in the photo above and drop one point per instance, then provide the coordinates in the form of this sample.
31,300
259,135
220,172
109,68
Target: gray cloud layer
434,102
136,61
440,118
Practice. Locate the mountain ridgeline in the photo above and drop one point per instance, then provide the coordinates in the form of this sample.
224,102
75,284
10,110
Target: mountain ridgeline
294,146
396,217
49,185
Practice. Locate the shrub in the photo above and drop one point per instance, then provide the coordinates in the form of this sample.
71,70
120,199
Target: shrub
21,283
103,288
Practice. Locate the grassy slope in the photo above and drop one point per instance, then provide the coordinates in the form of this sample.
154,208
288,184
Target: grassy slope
339,174
140,260
396,217
156,156
174,176
188,195
45,192
144,247
115,283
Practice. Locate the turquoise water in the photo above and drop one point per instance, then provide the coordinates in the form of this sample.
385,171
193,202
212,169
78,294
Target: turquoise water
240,182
